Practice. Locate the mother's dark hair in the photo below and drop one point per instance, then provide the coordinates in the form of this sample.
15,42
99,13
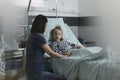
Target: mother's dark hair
39,23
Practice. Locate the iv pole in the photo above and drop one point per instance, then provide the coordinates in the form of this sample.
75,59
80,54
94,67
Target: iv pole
27,27
29,6
25,30
56,8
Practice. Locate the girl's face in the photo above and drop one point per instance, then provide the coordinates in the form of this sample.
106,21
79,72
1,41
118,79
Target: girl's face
57,35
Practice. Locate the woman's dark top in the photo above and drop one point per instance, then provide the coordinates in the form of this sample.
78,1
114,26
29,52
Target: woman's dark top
34,55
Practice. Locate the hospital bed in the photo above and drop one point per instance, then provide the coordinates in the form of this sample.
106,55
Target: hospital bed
93,64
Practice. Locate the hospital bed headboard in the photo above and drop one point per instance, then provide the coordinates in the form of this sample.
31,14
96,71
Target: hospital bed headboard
67,33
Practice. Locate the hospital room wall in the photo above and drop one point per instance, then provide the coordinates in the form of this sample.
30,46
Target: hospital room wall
88,7
0,19
90,33
0,25
107,33
87,30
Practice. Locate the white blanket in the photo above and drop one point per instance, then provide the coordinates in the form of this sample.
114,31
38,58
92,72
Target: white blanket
84,65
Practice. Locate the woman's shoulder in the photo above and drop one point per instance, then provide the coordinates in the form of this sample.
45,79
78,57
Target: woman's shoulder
38,37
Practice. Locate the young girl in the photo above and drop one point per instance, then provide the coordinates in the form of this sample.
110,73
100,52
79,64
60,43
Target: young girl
58,44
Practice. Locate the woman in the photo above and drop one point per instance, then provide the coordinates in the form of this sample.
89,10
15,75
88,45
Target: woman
36,46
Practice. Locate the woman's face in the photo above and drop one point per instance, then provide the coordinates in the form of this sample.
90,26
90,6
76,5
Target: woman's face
57,35
46,24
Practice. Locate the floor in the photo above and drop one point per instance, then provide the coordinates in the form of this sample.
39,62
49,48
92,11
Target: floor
12,74
2,77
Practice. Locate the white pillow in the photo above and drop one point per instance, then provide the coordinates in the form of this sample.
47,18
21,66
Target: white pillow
67,33
70,37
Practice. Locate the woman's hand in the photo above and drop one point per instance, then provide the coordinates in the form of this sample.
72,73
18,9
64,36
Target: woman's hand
68,53
46,57
53,54
64,56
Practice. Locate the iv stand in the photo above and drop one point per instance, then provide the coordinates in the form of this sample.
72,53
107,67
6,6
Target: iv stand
56,8
28,9
29,6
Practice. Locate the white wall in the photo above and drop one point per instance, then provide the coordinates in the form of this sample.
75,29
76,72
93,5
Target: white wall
91,34
0,20
88,7
111,22
64,8
0,26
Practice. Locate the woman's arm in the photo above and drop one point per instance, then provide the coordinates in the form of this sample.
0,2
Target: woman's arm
47,49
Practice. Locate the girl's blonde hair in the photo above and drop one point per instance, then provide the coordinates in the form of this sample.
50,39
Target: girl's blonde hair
51,32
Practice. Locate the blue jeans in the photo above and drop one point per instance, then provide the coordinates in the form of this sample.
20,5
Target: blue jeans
46,76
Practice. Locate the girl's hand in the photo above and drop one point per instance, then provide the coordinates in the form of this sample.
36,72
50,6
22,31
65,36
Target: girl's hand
78,47
68,53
